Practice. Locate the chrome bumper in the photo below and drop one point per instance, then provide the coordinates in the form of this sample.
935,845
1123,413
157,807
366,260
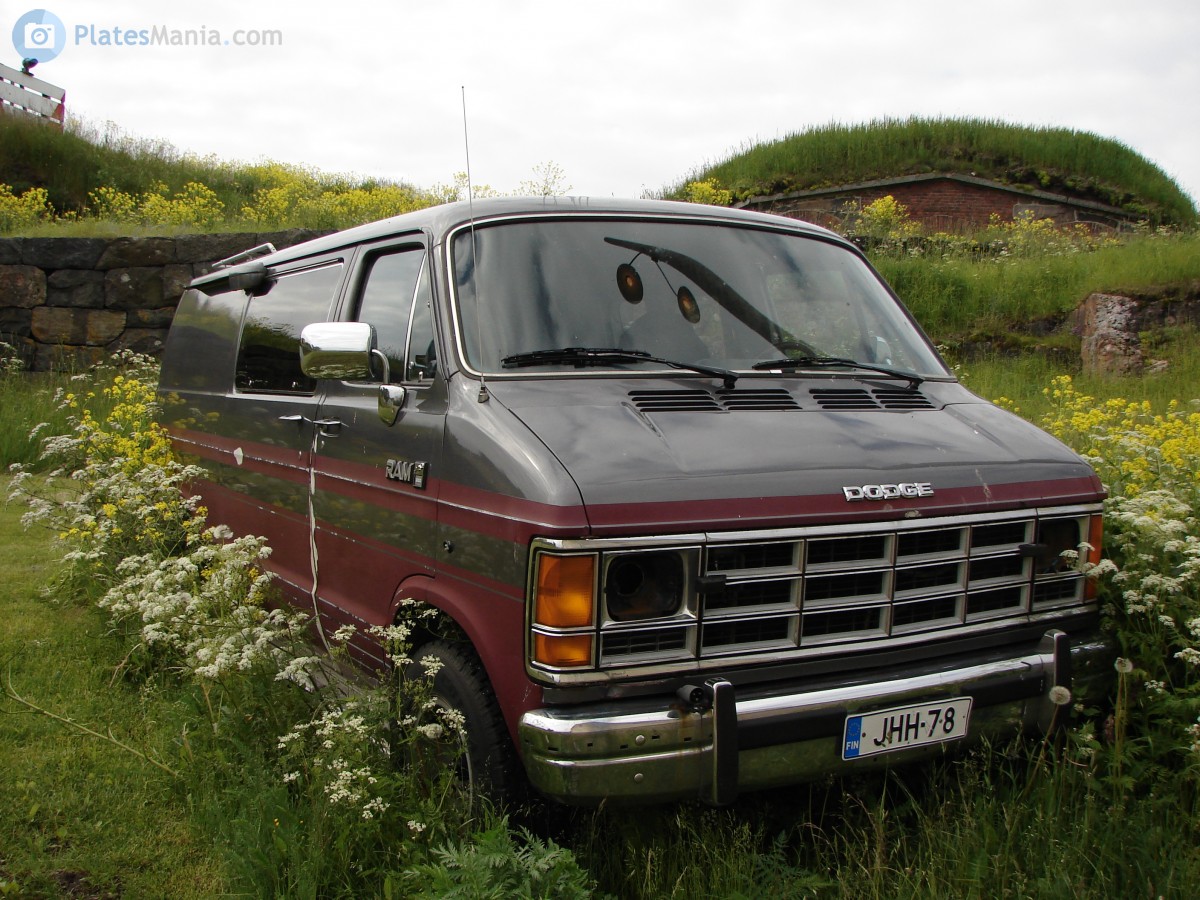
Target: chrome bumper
655,750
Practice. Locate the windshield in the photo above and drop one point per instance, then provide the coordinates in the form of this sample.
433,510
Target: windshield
721,296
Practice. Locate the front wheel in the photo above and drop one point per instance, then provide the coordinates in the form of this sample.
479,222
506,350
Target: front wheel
488,763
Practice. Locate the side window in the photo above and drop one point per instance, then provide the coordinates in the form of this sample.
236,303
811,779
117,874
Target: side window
422,346
269,353
387,300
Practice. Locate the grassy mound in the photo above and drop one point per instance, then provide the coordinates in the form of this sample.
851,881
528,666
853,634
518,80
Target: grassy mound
74,163
1073,163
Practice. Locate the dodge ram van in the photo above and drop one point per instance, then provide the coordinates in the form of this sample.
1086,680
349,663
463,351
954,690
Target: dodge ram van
700,508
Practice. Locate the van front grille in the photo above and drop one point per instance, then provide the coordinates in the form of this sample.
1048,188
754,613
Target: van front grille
819,591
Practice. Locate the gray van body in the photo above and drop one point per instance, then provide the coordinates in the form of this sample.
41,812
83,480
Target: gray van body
708,508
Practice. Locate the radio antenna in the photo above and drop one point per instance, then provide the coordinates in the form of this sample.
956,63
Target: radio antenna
467,147
484,396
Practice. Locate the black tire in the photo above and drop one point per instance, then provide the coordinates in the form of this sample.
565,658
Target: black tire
489,763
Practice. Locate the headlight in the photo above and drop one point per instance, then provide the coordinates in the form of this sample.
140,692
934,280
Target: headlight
1057,536
641,586
579,598
1080,537
1054,537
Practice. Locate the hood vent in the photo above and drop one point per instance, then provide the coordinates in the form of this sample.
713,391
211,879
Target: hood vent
766,399
880,398
698,400
674,401
777,400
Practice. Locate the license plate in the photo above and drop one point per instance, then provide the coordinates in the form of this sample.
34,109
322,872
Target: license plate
905,726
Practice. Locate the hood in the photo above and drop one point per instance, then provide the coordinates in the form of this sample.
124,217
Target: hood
681,453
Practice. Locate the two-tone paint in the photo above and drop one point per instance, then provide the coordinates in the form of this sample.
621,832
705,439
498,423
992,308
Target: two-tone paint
449,504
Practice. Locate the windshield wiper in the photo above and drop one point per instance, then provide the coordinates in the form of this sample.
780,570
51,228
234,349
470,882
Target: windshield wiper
823,362
597,356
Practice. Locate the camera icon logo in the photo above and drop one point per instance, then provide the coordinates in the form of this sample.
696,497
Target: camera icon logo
39,34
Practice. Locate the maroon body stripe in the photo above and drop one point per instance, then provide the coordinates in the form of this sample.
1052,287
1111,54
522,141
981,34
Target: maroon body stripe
767,512
518,520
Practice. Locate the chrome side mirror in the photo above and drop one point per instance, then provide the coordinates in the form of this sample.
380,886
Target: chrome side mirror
344,350
339,350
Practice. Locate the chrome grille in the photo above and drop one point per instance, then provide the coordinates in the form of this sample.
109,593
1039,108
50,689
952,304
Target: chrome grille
814,591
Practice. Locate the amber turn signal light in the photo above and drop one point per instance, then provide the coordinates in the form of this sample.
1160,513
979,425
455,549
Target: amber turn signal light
1096,541
562,650
565,591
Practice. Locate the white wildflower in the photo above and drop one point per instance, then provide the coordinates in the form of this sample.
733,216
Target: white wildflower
1189,655
374,806
453,719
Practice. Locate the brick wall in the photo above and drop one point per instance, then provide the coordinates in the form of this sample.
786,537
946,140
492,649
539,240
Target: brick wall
67,303
940,204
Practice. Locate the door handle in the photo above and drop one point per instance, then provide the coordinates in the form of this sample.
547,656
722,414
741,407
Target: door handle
327,427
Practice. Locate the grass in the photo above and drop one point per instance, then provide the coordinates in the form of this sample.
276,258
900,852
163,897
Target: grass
1056,159
27,401
961,296
81,817
997,822
78,815
84,181
73,162
1020,378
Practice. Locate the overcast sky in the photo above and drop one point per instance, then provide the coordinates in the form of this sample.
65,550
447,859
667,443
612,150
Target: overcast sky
625,96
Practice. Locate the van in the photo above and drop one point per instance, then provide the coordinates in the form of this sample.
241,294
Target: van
699,507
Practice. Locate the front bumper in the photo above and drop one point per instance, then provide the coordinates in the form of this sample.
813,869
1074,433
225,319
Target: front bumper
656,749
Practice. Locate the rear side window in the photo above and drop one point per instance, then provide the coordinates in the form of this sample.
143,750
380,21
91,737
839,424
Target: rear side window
269,353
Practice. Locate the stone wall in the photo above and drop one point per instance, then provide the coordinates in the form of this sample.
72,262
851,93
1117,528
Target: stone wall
67,303
1111,327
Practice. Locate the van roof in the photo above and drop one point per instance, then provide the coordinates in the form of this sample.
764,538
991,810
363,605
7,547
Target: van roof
444,218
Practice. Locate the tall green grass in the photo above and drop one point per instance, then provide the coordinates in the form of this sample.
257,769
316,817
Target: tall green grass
1010,821
1019,379
79,816
1020,820
963,296
28,400
1059,159
84,157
